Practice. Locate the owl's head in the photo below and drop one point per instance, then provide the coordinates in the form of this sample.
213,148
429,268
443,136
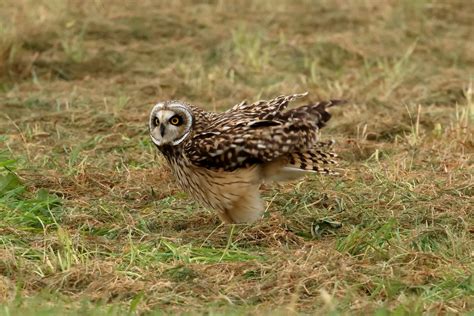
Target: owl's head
170,123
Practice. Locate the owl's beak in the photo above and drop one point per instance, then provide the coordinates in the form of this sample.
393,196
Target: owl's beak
162,130
155,141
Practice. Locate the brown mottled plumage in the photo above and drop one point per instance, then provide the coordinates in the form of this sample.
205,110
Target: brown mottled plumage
221,159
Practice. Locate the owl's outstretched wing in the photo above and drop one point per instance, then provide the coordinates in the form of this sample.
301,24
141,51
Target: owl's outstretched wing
239,140
264,109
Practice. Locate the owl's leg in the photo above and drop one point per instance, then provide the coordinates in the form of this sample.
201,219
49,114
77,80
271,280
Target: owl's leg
224,217
247,208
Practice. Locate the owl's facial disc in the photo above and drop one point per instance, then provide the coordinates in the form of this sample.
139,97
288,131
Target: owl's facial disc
170,123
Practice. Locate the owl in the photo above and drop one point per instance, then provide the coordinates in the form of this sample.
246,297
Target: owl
221,159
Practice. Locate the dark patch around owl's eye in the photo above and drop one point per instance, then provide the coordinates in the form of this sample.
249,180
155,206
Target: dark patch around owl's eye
176,120
156,121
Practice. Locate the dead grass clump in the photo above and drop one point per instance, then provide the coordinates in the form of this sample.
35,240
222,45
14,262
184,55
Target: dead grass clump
7,289
99,281
273,232
26,31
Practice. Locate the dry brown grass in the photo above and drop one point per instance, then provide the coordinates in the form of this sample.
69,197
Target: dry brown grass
90,220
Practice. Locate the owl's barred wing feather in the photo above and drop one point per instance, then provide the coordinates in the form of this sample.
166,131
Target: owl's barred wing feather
248,144
236,139
263,108
315,160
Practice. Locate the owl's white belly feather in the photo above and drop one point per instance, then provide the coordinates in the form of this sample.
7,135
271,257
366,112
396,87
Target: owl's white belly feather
235,194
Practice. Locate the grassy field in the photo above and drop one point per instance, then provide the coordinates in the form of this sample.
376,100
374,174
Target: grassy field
92,223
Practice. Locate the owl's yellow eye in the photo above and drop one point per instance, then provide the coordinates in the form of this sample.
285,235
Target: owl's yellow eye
175,120
156,121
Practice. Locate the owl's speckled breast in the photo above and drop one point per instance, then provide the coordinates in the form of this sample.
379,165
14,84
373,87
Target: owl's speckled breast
193,182
217,190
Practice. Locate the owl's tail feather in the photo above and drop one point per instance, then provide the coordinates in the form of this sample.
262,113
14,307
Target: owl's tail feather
316,160
297,165
319,157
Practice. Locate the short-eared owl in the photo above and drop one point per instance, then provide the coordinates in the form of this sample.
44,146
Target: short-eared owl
221,159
